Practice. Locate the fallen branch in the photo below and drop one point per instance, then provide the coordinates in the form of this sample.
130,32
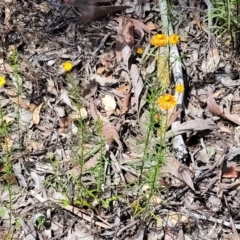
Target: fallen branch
178,143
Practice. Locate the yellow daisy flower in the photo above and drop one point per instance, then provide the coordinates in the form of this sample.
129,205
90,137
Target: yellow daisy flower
166,102
173,39
139,50
67,66
179,88
2,81
159,40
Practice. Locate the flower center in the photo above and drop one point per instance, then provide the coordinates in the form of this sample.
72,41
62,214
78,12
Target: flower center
167,98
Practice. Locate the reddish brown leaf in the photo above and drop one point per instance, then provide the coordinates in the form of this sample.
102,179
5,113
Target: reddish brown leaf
125,103
212,105
128,34
231,172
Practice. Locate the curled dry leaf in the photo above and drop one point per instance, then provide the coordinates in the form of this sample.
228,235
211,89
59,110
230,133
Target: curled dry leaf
110,133
128,34
212,105
36,114
16,99
180,171
216,110
212,61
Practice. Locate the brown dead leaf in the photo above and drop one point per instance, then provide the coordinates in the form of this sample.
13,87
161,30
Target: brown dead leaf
151,26
32,107
123,88
36,114
110,133
174,116
34,146
130,178
128,34
17,99
180,171
138,24
100,70
231,172
126,101
197,21
210,64
212,105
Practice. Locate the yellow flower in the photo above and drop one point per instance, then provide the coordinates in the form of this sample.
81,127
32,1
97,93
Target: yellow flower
67,66
173,39
166,102
179,88
2,81
139,50
159,40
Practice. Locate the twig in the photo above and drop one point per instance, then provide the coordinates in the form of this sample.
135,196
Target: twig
178,143
210,219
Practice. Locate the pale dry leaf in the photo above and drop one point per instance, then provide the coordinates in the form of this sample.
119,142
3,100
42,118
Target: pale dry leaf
197,21
176,218
100,70
34,146
60,111
104,81
163,74
51,87
79,114
211,63
151,66
195,125
8,119
109,104
137,84
126,54
36,114
233,118
7,144
173,117
130,178
155,200
65,98
32,107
